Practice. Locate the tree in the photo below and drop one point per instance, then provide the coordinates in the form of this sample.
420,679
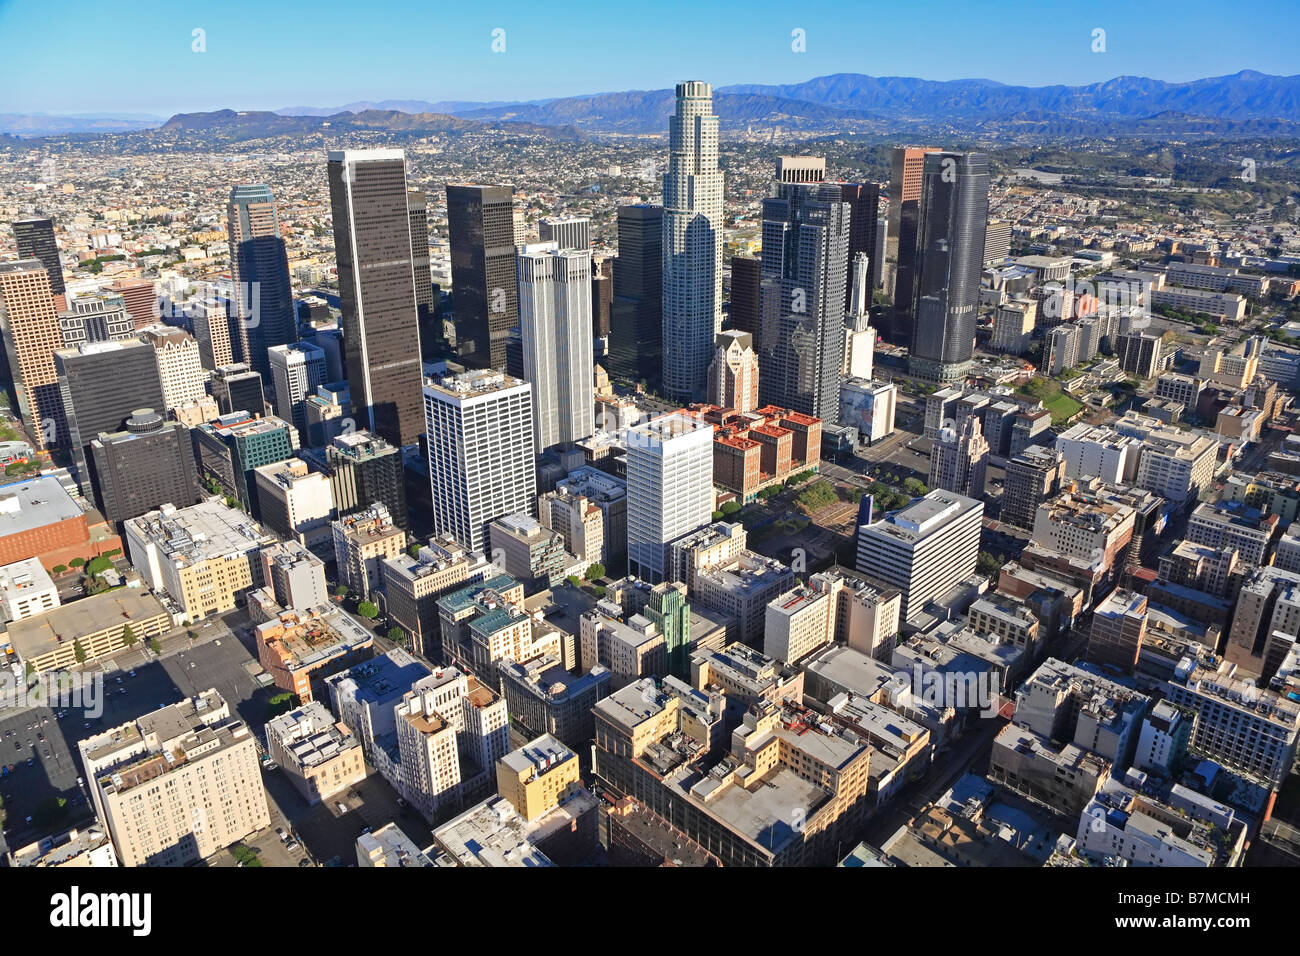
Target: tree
281,703
60,569
30,671
414,550
79,652
730,508
717,516
128,636
78,562
368,610
98,566
155,646
989,564
595,571
397,635
341,591
574,581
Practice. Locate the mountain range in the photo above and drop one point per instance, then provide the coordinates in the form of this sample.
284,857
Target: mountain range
1245,103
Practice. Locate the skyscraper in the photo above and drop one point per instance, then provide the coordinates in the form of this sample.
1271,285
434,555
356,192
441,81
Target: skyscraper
30,325
296,370
237,388
959,460
733,374
35,237
101,385
418,214
950,262
381,338
571,232
636,317
365,470
746,282
669,488
863,200
692,237
901,235
481,230
805,266
924,548
150,463
95,317
259,266
555,319
480,428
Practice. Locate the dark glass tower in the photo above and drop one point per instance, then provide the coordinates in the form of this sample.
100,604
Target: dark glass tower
381,337
863,200
746,281
805,270
485,290
102,384
147,465
262,307
636,318
949,262
35,238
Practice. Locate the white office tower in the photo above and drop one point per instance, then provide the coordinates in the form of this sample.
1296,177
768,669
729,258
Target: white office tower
480,428
924,548
555,320
570,232
297,370
692,243
669,488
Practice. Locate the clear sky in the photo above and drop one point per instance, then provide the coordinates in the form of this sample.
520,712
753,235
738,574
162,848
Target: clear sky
125,56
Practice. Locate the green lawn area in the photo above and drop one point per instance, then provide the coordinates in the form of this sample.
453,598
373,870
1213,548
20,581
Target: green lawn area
1062,407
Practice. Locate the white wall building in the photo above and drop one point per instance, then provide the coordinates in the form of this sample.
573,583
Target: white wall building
669,488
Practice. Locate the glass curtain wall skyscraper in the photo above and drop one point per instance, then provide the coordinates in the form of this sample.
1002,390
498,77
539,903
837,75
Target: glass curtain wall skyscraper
692,275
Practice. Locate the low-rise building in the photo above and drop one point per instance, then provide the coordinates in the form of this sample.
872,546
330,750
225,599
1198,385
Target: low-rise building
320,755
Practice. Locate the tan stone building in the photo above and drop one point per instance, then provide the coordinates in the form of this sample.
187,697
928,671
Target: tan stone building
177,785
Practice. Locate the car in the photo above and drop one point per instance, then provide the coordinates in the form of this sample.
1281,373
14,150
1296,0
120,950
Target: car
343,807
304,862
18,745
31,761
122,691
47,753
132,674
40,737
291,845
86,725
118,679
29,742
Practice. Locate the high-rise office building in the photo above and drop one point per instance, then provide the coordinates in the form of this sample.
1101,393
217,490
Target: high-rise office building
211,323
140,299
805,273
746,283
143,467
297,371
1032,477
960,459
101,384
29,322
237,388
570,232
669,488
480,428
259,266
555,321
924,548
179,366
35,238
381,337
1139,354
230,449
417,209
863,200
692,243
95,317
636,316
733,374
485,291
950,262
901,236
365,470
602,298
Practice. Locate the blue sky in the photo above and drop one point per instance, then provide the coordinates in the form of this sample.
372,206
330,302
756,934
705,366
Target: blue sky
137,56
